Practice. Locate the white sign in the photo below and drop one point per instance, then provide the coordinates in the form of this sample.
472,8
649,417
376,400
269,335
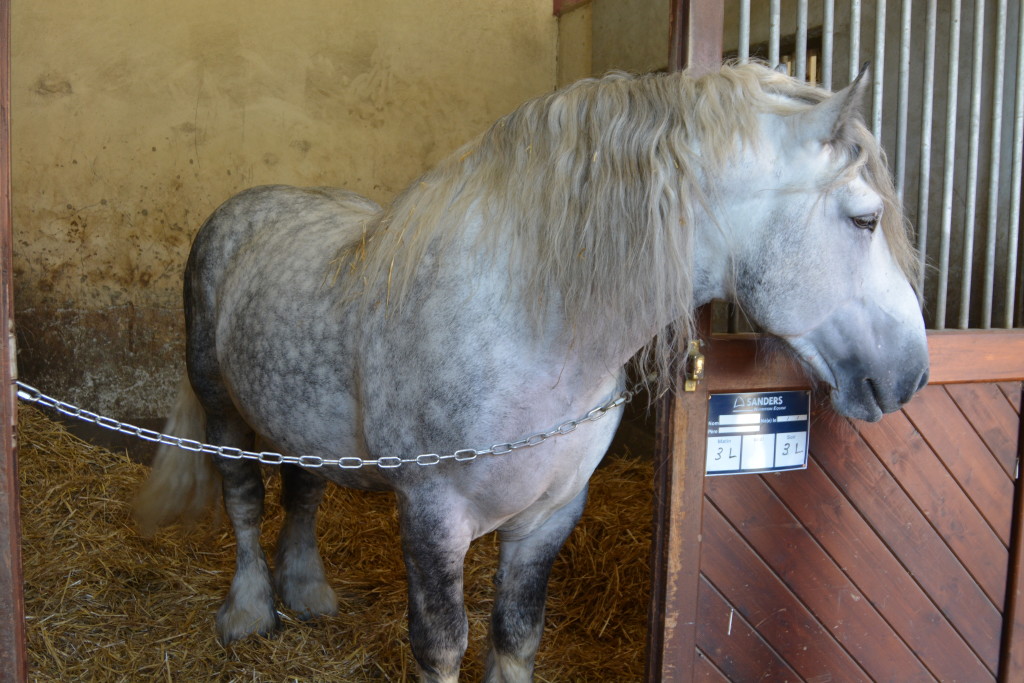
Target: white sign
757,432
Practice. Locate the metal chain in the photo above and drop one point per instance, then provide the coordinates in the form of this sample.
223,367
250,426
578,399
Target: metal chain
32,395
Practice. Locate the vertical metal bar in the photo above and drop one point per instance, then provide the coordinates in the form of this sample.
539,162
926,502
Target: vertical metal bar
828,21
903,99
878,70
974,134
801,40
1015,178
743,51
925,171
854,39
773,32
995,158
952,83
13,655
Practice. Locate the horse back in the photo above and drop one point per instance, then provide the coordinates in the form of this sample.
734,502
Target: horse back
258,289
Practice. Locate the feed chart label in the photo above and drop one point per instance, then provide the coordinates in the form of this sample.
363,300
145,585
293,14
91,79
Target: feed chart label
757,432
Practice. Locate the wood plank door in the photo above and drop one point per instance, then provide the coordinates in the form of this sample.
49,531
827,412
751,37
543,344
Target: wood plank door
894,556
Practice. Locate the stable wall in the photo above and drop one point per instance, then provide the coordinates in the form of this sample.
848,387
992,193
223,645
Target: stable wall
133,121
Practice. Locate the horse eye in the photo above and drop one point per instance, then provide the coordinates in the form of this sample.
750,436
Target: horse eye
866,222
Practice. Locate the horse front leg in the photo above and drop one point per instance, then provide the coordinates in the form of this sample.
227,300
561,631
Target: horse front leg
298,570
434,547
249,606
521,583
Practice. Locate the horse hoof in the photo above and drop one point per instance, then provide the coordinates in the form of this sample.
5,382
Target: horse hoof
235,623
310,600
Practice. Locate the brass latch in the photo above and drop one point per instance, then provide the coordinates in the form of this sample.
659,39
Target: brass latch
694,366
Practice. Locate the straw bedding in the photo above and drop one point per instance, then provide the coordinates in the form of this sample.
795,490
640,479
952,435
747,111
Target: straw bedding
105,604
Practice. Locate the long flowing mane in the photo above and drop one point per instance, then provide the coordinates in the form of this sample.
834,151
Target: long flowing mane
592,191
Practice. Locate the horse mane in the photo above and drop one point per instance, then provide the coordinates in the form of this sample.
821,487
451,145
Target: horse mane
592,191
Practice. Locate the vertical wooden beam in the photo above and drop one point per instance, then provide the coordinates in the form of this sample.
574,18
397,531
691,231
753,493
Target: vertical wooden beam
675,547
12,604
1011,657
696,43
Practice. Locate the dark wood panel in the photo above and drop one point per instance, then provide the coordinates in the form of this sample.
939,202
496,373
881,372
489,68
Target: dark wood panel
765,602
941,500
954,440
993,418
729,641
705,672
850,463
841,531
1012,391
793,555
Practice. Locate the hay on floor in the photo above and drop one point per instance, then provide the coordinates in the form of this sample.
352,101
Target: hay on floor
105,604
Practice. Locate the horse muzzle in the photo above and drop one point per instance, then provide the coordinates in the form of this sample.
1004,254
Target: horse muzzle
873,366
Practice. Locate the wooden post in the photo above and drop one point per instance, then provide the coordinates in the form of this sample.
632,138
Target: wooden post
12,604
675,546
696,43
1011,658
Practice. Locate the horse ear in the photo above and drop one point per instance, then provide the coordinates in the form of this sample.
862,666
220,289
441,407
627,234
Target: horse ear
827,121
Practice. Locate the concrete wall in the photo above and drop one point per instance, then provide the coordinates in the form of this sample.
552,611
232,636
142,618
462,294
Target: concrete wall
132,121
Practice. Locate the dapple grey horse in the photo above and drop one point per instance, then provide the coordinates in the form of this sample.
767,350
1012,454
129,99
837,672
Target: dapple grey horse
497,301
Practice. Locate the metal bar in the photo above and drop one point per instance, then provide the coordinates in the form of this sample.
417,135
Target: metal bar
743,49
903,99
773,32
995,159
924,170
973,142
1015,179
828,21
878,70
13,655
801,40
952,83
854,39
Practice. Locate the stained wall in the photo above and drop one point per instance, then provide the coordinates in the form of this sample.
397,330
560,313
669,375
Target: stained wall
133,121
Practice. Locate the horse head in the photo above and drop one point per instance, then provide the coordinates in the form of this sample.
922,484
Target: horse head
821,257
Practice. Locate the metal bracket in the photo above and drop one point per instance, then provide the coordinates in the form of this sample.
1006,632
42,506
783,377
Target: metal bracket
694,365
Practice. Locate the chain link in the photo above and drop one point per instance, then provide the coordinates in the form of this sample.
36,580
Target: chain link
30,394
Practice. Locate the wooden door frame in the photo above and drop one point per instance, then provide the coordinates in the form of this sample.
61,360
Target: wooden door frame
695,42
12,601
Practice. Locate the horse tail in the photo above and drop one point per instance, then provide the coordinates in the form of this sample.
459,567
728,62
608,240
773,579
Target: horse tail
182,484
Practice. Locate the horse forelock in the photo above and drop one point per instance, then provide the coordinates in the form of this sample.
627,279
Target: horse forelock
591,191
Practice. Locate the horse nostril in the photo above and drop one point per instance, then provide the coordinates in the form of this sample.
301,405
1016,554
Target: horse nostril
923,381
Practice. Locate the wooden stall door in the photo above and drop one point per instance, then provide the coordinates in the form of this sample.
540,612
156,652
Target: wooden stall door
894,556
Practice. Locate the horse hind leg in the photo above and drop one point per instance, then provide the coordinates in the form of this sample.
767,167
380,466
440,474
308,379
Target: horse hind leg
249,606
298,570
517,618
